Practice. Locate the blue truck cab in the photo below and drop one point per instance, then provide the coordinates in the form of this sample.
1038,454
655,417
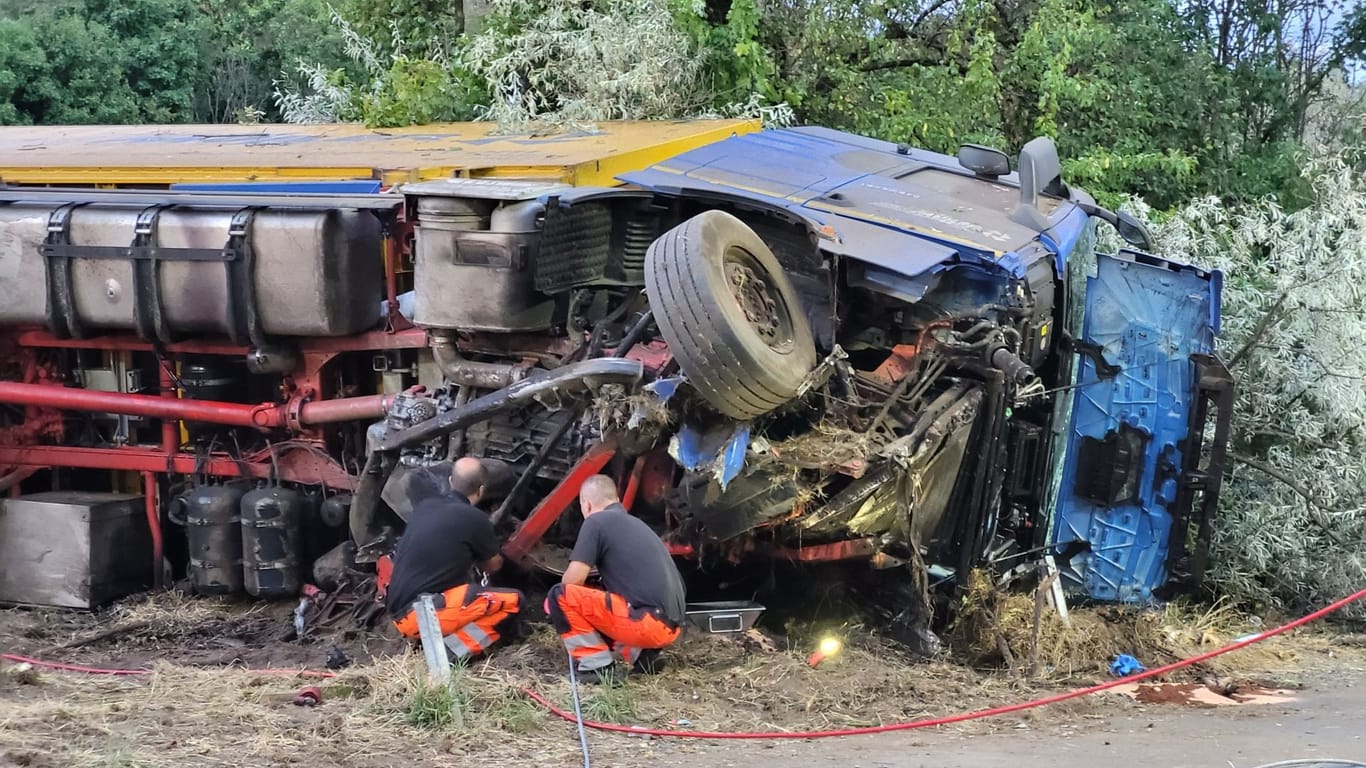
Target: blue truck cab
932,366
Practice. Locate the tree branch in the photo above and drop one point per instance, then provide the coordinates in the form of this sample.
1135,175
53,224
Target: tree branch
923,60
1258,332
1277,474
925,14
1315,509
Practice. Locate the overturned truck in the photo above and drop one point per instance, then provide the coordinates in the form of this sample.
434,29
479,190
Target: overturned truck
796,344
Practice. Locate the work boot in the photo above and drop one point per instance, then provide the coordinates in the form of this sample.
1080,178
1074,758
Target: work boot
611,675
513,629
649,662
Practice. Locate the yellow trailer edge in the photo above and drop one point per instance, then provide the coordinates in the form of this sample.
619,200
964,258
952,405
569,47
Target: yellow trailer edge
160,155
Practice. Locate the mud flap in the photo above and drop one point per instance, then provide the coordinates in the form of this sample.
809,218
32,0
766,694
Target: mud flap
1132,468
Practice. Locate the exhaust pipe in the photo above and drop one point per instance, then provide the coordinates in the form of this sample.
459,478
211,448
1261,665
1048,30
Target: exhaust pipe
468,373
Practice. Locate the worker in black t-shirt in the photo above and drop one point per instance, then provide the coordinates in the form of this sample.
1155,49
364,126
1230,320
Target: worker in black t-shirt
643,608
446,536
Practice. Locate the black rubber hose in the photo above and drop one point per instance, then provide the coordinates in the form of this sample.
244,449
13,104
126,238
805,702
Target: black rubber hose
632,336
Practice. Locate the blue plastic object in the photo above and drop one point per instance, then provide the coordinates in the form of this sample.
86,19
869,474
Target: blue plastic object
1125,665
664,389
1148,317
710,451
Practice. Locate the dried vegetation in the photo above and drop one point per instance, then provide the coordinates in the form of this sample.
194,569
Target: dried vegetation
193,710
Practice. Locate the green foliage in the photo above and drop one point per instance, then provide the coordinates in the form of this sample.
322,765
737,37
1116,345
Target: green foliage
90,89
615,703
734,61
581,61
256,40
414,91
440,22
1165,99
161,50
397,88
437,706
1292,515
25,75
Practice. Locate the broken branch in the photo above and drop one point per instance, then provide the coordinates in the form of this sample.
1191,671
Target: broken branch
105,635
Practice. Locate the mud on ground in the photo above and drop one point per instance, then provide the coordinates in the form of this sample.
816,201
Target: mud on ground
201,705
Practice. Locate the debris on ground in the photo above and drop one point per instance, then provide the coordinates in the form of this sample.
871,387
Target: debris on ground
202,699
1200,695
1125,665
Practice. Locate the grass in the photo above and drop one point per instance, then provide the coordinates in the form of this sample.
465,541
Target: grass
611,704
515,713
437,706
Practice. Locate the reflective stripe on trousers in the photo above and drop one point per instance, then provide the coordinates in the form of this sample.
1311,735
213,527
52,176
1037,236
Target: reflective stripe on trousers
468,618
589,614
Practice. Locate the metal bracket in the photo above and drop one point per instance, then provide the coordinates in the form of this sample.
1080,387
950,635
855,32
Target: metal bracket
238,258
244,319
1104,368
147,307
433,644
1198,495
62,319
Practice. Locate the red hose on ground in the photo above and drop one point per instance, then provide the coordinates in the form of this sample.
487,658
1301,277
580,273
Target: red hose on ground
977,715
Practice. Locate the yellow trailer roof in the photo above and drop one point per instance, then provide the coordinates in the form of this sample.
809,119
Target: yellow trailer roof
137,155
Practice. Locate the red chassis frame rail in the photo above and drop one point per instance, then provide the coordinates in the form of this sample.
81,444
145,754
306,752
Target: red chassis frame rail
294,464
525,539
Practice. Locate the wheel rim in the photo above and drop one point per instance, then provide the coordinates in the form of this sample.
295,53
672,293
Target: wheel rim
759,299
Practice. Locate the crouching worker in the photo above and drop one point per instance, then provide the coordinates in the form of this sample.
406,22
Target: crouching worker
643,608
446,536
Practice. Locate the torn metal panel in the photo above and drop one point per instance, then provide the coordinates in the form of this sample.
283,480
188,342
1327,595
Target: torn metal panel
753,499
884,510
839,509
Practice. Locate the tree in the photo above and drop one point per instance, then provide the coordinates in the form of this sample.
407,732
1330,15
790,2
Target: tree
25,74
256,40
1293,510
582,61
89,88
161,48
418,23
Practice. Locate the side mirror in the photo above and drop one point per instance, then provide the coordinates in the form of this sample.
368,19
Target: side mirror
1130,229
1040,173
983,161
1134,231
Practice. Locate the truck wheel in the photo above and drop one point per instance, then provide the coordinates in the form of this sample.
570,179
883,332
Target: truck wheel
729,314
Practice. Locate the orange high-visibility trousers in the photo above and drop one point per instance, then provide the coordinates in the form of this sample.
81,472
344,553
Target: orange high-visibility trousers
468,617
592,623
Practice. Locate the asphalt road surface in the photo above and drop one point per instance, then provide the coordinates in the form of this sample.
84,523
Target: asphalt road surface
1326,720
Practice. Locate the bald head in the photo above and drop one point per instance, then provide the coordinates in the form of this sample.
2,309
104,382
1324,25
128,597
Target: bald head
597,493
468,478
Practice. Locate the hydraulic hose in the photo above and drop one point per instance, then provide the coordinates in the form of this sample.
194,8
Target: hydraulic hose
776,735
